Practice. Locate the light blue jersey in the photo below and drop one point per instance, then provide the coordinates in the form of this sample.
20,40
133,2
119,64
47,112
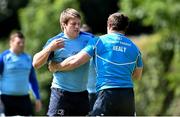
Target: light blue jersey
116,57
16,74
74,80
91,85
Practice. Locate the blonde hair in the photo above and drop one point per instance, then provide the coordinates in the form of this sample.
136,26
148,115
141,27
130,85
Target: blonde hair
68,14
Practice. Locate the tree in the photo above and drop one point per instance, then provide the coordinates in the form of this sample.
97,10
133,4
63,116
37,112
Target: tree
8,15
96,13
40,19
164,16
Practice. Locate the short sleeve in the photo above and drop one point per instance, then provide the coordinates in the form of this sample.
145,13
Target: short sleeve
90,47
139,63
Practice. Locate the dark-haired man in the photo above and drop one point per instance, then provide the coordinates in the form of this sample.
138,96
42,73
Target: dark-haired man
16,73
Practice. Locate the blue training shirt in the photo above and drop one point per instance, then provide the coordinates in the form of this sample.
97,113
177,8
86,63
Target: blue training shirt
74,80
16,73
91,85
116,57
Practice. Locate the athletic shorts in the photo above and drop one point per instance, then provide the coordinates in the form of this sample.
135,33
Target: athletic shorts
17,105
92,99
114,102
65,103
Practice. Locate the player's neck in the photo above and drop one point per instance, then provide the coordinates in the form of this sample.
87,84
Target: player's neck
15,52
71,36
114,31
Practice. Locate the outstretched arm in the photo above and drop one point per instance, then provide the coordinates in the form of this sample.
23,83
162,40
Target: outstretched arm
70,63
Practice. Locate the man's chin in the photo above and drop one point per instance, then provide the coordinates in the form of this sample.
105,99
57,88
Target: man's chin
76,34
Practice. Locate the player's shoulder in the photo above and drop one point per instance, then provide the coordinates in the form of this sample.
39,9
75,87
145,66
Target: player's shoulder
4,53
104,36
60,35
130,42
86,34
26,54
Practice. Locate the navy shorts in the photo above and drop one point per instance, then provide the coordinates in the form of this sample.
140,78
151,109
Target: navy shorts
92,99
114,102
17,105
65,103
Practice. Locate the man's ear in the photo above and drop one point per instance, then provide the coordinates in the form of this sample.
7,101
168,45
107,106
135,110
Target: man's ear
109,26
63,24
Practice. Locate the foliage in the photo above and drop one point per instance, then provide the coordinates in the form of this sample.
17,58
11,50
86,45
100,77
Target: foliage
159,89
40,19
8,15
147,102
96,13
4,45
159,13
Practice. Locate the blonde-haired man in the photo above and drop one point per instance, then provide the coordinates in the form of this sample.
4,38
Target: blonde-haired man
69,94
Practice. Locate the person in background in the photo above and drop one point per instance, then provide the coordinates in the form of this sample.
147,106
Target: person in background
16,73
85,28
118,61
91,85
69,95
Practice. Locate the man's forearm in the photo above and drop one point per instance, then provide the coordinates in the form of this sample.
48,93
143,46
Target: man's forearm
41,58
70,63
137,74
74,61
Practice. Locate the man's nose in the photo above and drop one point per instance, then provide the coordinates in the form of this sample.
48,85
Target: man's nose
21,44
77,25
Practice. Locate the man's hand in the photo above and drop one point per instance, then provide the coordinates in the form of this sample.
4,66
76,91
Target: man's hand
56,44
38,105
53,66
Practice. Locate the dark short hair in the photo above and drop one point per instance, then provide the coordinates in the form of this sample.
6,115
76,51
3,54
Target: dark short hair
16,34
118,21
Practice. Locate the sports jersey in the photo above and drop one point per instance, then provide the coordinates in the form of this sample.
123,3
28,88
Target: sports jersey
91,85
73,80
16,73
116,57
